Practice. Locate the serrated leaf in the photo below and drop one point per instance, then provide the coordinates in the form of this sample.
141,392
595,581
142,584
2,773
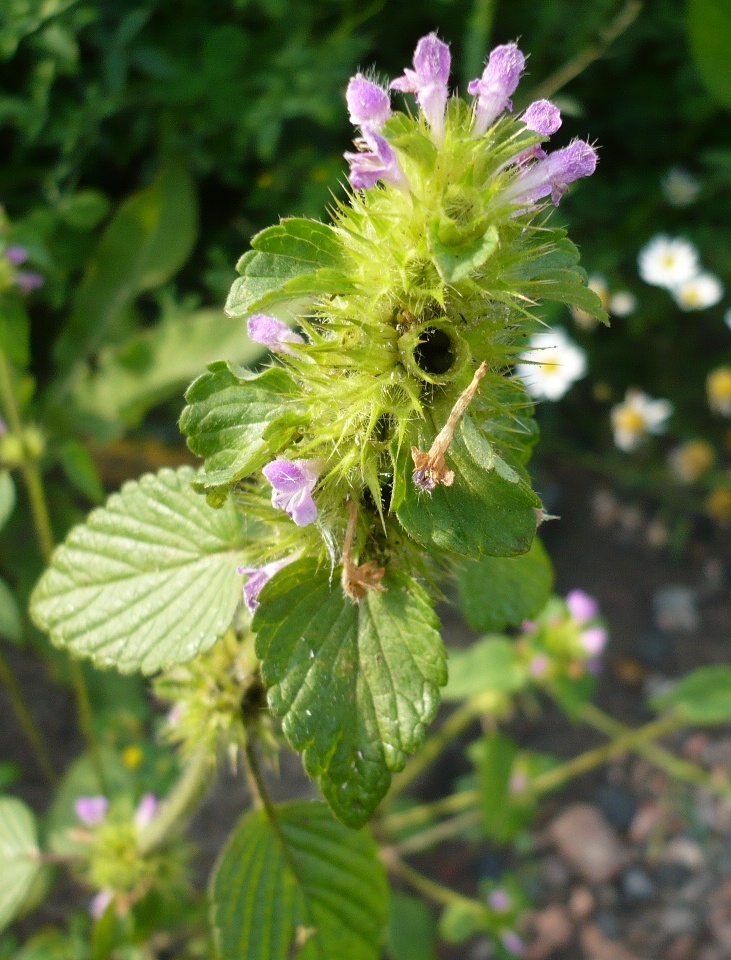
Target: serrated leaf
147,241
500,592
148,581
311,889
305,241
709,28
702,696
456,263
227,417
355,684
7,496
158,363
567,286
489,509
20,866
490,665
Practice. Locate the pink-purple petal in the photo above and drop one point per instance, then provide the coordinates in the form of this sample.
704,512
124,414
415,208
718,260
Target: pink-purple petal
368,104
91,810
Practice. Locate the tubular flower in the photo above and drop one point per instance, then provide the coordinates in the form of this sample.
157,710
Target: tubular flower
293,482
428,80
272,333
498,83
91,810
368,104
257,578
376,160
551,175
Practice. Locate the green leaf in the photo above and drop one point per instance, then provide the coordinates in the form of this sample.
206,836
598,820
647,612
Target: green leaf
20,867
490,665
80,469
7,497
412,930
355,684
496,758
15,331
296,260
310,889
567,286
456,263
709,28
702,697
148,581
11,619
500,592
147,241
489,509
228,421
157,364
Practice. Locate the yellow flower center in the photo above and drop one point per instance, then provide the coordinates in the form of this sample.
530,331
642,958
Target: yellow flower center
630,420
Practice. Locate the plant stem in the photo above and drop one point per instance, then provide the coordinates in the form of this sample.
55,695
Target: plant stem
27,721
436,892
451,728
186,793
427,813
570,70
44,535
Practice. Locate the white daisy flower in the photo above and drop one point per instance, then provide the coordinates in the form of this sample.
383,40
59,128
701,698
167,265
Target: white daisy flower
551,365
718,389
680,187
700,292
622,303
668,262
637,417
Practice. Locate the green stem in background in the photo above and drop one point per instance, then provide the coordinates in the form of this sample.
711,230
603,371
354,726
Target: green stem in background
437,893
180,802
570,70
433,747
476,38
262,800
44,534
26,720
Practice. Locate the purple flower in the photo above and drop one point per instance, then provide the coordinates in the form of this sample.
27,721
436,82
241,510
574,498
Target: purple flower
293,482
258,576
99,903
538,666
272,333
552,175
513,943
368,104
496,85
428,80
376,160
91,810
146,810
594,666
582,607
16,254
28,280
500,900
542,117
594,640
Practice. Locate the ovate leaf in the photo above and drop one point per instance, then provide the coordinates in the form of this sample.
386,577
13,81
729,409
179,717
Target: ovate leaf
229,420
355,684
709,26
702,697
500,592
312,889
149,580
489,666
20,866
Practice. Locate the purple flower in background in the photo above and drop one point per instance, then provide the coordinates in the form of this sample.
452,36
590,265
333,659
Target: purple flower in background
496,85
428,80
258,576
16,254
375,161
272,333
513,943
100,902
91,810
538,666
500,900
146,810
594,640
552,175
368,104
582,607
28,280
542,117
293,482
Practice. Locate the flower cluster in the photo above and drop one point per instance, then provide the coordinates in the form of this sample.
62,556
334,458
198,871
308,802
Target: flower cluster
674,264
567,639
12,258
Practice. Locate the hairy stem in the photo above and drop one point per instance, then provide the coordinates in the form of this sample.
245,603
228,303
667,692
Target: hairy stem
27,721
259,789
185,796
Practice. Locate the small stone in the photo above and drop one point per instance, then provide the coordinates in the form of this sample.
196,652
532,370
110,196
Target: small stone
581,903
608,924
676,920
587,842
654,649
553,930
676,609
684,948
647,821
554,874
599,947
618,805
636,885
684,852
